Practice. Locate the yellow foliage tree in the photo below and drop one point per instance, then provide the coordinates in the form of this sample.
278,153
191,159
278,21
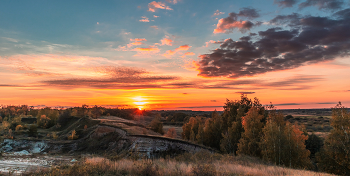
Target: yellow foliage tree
335,156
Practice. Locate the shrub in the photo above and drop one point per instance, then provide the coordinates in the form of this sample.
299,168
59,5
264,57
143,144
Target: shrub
313,144
288,117
73,135
19,127
54,135
64,118
33,130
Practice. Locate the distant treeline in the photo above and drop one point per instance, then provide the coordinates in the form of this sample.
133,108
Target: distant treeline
48,117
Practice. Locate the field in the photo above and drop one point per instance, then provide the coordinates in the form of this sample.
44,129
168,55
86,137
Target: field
186,166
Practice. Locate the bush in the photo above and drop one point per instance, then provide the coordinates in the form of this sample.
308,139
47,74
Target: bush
19,127
73,135
64,118
313,144
288,117
33,130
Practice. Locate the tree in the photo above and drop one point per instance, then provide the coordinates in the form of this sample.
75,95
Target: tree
213,130
157,126
252,124
232,129
96,111
171,133
284,143
200,135
191,128
335,156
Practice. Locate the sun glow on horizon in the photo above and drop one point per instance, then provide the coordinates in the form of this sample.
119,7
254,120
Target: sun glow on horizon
140,102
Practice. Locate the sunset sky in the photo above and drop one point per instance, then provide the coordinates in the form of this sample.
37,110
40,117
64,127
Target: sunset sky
175,54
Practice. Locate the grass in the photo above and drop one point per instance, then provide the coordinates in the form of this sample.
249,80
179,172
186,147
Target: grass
226,165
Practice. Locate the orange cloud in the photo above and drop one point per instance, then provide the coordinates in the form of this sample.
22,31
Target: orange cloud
223,27
134,44
188,54
191,65
149,49
152,6
169,53
138,39
180,48
155,16
183,48
144,19
167,41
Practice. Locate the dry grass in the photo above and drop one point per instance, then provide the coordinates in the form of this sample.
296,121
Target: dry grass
228,166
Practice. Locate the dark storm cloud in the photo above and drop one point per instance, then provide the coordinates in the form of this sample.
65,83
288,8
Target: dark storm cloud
309,40
226,25
323,4
285,3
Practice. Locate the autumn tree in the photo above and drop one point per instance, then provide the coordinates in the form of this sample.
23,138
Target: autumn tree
171,133
213,129
252,124
190,129
283,143
335,156
232,128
